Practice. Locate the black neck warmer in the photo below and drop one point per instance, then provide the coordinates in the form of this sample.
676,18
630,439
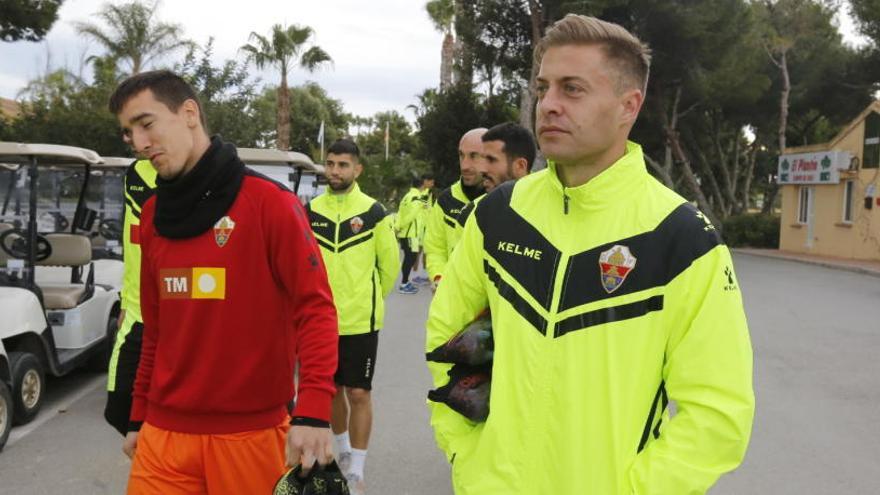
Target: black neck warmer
188,206
472,192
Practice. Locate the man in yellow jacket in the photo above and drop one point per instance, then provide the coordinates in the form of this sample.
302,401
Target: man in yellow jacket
359,249
410,227
610,295
139,185
442,232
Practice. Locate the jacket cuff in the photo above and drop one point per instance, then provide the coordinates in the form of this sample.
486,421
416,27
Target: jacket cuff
313,403
304,421
135,426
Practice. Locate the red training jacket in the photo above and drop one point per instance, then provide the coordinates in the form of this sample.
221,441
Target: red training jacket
225,314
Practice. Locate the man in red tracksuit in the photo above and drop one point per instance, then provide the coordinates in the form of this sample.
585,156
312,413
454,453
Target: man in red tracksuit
233,293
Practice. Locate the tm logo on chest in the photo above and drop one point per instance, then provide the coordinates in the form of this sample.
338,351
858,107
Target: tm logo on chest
615,264
509,247
192,283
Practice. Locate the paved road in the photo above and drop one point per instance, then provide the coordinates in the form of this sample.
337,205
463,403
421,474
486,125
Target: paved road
816,335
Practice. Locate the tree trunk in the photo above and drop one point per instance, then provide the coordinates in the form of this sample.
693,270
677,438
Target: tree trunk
719,203
747,182
689,177
783,101
662,173
770,195
447,55
528,100
464,39
283,115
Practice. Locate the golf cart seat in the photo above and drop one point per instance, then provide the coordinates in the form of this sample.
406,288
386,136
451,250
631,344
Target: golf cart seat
68,250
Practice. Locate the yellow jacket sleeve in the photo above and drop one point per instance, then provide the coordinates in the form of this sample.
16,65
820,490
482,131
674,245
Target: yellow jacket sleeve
407,215
708,374
436,249
388,254
459,300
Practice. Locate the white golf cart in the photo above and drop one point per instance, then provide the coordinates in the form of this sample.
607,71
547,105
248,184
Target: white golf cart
294,170
54,315
107,197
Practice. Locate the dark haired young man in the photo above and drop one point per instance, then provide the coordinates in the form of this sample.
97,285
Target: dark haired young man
359,247
233,294
508,154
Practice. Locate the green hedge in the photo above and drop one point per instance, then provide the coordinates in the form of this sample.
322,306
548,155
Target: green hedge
752,230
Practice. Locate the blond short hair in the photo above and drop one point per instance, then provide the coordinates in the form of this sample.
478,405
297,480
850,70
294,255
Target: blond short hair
630,58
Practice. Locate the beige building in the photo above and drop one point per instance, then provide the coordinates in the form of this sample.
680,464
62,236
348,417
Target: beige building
831,193
9,108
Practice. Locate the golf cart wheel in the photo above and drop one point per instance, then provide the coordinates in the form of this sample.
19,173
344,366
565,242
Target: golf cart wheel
5,413
28,386
101,360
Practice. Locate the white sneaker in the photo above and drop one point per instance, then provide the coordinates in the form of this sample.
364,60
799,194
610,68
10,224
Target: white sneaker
344,463
356,484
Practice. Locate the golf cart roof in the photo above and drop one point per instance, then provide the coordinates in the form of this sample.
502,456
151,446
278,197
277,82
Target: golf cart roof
21,154
116,161
295,159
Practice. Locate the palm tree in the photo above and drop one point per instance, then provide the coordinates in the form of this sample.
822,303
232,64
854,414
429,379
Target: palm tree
284,47
134,33
442,14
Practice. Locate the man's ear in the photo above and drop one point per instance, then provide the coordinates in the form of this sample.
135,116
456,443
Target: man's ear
631,104
358,169
191,113
520,168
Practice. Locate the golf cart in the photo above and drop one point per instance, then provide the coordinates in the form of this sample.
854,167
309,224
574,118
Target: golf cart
294,170
107,197
54,315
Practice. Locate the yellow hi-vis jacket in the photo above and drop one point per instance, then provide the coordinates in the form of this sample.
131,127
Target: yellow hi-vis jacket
608,300
361,254
411,216
139,185
443,230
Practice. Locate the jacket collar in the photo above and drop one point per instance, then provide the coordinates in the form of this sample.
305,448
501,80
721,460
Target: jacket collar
614,184
340,199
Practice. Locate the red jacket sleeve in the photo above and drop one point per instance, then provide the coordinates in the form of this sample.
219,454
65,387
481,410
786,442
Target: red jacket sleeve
297,264
150,314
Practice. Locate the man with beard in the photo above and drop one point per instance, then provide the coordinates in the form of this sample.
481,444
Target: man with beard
360,250
233,294
443,230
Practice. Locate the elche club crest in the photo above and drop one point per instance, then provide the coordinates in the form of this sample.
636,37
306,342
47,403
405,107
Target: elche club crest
615,264
356,224
223,230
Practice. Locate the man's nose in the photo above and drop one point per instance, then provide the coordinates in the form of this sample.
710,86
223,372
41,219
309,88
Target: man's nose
549,103
140,141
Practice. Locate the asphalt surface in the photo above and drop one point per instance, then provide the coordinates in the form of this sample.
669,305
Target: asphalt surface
816,338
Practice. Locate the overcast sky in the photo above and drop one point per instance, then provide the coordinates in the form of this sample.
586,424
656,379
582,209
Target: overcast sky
385,52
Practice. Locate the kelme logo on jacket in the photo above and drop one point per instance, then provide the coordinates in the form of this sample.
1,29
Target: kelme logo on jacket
223,230
192,283
615,264
509,247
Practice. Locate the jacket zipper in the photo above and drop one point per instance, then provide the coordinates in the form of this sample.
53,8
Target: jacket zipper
565,200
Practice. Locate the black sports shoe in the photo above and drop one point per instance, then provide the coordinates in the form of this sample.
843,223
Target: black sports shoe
473,345
326,480
467,392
